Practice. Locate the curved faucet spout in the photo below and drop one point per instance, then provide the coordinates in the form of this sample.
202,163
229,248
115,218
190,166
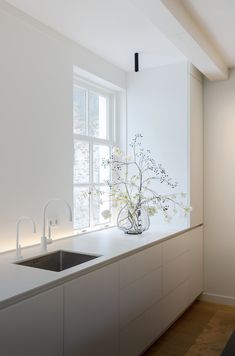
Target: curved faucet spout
18,246
44,238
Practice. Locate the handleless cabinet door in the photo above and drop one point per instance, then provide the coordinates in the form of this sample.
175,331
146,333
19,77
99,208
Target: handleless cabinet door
140,264
140,333
140,295
91,320
174,304
196,263
33,327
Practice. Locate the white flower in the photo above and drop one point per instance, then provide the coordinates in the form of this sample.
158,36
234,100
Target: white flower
106,214
188,209
117,151
128,158
151,210
167,218
175,211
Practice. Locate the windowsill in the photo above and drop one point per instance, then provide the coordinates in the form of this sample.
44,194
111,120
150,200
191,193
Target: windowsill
94,229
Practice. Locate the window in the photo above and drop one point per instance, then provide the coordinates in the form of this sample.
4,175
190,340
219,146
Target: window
93,127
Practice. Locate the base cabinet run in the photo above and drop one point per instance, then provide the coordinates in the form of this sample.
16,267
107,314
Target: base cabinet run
119,309
156,286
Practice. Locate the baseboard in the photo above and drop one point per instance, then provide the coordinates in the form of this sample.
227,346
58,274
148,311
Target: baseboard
216,298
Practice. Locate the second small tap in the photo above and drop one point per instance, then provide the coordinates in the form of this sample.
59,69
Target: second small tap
18,246
44,238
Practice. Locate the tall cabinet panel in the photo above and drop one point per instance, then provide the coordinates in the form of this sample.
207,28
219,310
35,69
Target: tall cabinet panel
196,263
196,145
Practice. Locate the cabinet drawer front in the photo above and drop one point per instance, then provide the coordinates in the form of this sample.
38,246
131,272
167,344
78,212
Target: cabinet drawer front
175,247
91,314
139,296
175,272
174,304
196,263
140,333
33,326
140,264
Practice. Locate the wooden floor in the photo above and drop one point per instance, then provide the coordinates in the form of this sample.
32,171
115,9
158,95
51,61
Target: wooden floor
202,330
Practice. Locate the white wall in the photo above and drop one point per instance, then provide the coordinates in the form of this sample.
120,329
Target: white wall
158,108
36,143
219,181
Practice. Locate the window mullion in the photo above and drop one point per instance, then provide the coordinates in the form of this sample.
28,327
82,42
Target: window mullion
111,179
87,113
95,140
91,186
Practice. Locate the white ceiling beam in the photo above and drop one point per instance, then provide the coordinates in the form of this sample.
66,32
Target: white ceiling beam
173,20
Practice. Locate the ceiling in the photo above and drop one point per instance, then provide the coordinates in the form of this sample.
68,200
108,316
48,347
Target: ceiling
111,29
217,17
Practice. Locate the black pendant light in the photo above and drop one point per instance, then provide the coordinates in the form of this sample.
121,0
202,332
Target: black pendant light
136,58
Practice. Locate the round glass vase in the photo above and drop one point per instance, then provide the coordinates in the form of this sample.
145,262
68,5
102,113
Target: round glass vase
133,220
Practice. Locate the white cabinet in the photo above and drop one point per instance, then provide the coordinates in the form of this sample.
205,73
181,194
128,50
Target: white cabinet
140,295
141,332
175,262
196,263
175,247
91,313
156,287
174,304
182,273
119,309
175,273
33,326
140,264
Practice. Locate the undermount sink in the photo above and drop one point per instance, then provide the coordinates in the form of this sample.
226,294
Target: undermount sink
58,261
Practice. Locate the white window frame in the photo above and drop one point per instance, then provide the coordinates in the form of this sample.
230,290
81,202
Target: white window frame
110,142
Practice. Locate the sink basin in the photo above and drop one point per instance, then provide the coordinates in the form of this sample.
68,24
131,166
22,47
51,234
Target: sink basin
58,261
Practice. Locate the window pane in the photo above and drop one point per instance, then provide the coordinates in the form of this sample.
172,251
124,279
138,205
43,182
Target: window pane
101,202
81,162
79,110
81,207
100,174
97,116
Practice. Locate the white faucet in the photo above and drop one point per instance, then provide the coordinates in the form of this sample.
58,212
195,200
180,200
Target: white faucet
18,246
44,240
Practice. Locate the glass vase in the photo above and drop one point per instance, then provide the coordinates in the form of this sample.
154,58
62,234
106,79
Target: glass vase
133,220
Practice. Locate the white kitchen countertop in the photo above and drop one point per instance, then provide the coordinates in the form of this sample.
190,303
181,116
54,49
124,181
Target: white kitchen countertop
19,282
